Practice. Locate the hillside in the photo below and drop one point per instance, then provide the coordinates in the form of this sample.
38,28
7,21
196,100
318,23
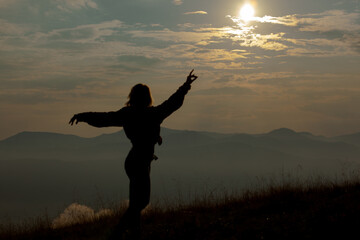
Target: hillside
317,211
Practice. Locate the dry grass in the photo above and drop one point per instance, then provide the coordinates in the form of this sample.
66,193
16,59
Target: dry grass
277,210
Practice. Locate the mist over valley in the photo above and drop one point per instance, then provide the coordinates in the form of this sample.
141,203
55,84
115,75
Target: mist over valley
48,171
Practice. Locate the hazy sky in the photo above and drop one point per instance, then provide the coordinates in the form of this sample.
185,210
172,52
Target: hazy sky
295,64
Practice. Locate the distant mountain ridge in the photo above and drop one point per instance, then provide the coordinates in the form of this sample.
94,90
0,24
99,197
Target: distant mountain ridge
168,131
45,145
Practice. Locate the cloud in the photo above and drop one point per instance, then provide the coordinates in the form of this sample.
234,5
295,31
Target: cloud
320,47
84,33
178,2
113,47
316,22
28,97
289,20
330,33
334,20
175,36
231,91
50,82
6,3
67,5
353,40
141,60
267,42
271,78
134,63
196,12
11,29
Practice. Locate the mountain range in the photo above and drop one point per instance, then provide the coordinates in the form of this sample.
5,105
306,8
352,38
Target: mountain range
40,170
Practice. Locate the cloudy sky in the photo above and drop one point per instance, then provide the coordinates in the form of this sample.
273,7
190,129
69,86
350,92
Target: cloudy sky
294,64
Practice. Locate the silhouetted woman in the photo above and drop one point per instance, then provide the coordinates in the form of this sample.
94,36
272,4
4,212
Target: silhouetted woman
141,122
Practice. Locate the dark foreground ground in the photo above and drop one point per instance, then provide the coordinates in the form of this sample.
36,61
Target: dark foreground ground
319,211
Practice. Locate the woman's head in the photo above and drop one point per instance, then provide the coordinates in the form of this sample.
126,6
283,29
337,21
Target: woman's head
139,96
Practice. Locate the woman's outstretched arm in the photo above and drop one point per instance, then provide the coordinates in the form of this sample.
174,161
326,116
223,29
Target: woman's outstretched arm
99,119
176,100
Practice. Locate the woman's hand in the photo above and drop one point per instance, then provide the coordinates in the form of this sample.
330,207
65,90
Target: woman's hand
75,119
191,78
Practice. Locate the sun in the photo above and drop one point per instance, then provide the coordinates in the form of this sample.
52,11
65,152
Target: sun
247,12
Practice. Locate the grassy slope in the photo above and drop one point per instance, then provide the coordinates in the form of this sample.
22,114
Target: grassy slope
322,211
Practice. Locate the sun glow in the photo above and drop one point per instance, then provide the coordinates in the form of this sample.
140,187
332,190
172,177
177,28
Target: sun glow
247,12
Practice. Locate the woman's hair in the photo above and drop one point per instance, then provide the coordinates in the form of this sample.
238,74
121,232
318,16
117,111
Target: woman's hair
139,96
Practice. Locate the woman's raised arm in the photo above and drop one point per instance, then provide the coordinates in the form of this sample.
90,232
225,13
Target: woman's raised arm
176,100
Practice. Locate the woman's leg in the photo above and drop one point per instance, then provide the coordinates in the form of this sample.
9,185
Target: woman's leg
137,168
140,188
139,194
